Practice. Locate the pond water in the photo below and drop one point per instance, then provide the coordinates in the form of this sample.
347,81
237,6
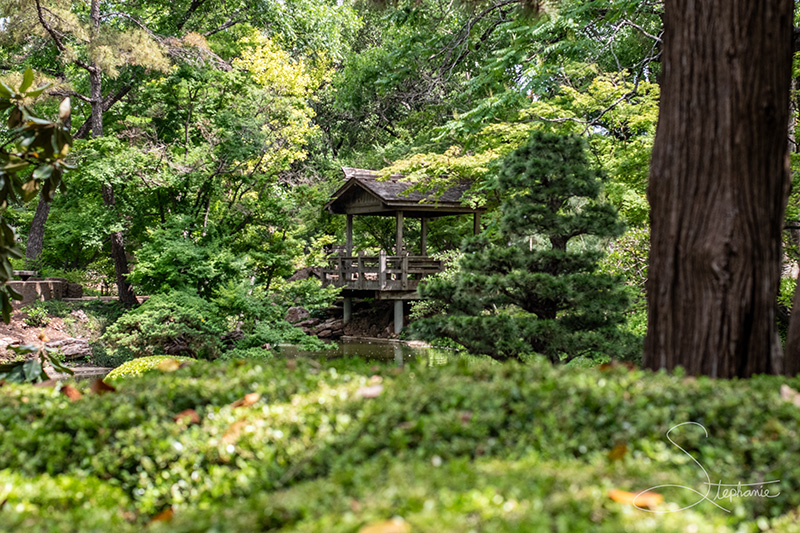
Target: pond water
374,351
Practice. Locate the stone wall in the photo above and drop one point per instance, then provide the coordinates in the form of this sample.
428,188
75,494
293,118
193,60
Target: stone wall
45,289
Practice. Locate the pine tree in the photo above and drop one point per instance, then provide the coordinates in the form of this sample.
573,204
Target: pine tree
513,297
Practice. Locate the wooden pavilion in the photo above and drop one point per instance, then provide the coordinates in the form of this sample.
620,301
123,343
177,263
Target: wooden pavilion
396,275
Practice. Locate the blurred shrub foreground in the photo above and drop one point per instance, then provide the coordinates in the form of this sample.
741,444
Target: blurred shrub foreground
351,446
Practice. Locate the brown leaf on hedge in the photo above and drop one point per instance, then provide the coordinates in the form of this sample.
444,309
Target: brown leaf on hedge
189,416
71,392
164,516
373,391
395,525
101,387
641,499
790,395
233,432
618,452
247,401
169,365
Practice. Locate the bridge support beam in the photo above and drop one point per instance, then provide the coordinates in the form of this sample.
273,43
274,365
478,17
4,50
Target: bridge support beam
347,309
398,316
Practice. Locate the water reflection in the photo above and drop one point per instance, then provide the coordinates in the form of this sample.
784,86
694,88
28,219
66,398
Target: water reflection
368,351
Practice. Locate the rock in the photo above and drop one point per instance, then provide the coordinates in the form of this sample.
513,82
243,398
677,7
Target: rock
74,290
72,348
307,272
307,323
232,337
324,334
296,314
79,315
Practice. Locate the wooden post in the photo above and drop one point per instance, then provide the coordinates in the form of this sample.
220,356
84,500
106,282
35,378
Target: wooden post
399,240
398,316
360,271
382,270
476,223
404,271
423,247
349,242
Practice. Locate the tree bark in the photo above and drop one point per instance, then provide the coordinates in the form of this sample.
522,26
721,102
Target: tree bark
719,181
35,245
126,295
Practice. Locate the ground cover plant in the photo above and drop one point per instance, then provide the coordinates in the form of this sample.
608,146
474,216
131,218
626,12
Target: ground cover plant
337,446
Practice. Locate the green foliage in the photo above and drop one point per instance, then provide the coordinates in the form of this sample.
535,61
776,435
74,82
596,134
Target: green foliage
32,157
31,369
140,366
37,316
536,289
495,447
174,323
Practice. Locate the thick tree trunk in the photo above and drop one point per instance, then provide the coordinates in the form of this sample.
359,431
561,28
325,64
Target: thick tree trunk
718,186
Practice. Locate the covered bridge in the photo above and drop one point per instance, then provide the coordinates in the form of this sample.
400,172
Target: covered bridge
393,274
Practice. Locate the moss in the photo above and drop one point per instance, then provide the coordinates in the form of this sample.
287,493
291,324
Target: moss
137,367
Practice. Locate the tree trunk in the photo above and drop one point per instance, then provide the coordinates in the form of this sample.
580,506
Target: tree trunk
126,295
718,186
35,245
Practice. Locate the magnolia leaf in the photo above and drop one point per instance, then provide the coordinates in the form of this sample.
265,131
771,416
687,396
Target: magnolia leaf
164,516
101,387
71,392
641,499
233,432
169,365
27,80
188,416
247,401
39,90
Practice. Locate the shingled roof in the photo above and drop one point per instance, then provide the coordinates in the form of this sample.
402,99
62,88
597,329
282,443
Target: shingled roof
363,194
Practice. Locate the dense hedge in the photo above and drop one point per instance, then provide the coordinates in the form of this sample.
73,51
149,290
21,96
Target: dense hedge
468,446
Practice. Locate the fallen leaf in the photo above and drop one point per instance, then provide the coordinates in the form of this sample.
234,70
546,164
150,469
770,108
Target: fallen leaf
164,516
101,387
355,506
790,395
231,434
641,499
169,365
395,525
291,364
618,452
372,391
189,416
50,383
247,401
71,392
465,416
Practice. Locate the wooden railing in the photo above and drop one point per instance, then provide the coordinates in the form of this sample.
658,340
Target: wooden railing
379,273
